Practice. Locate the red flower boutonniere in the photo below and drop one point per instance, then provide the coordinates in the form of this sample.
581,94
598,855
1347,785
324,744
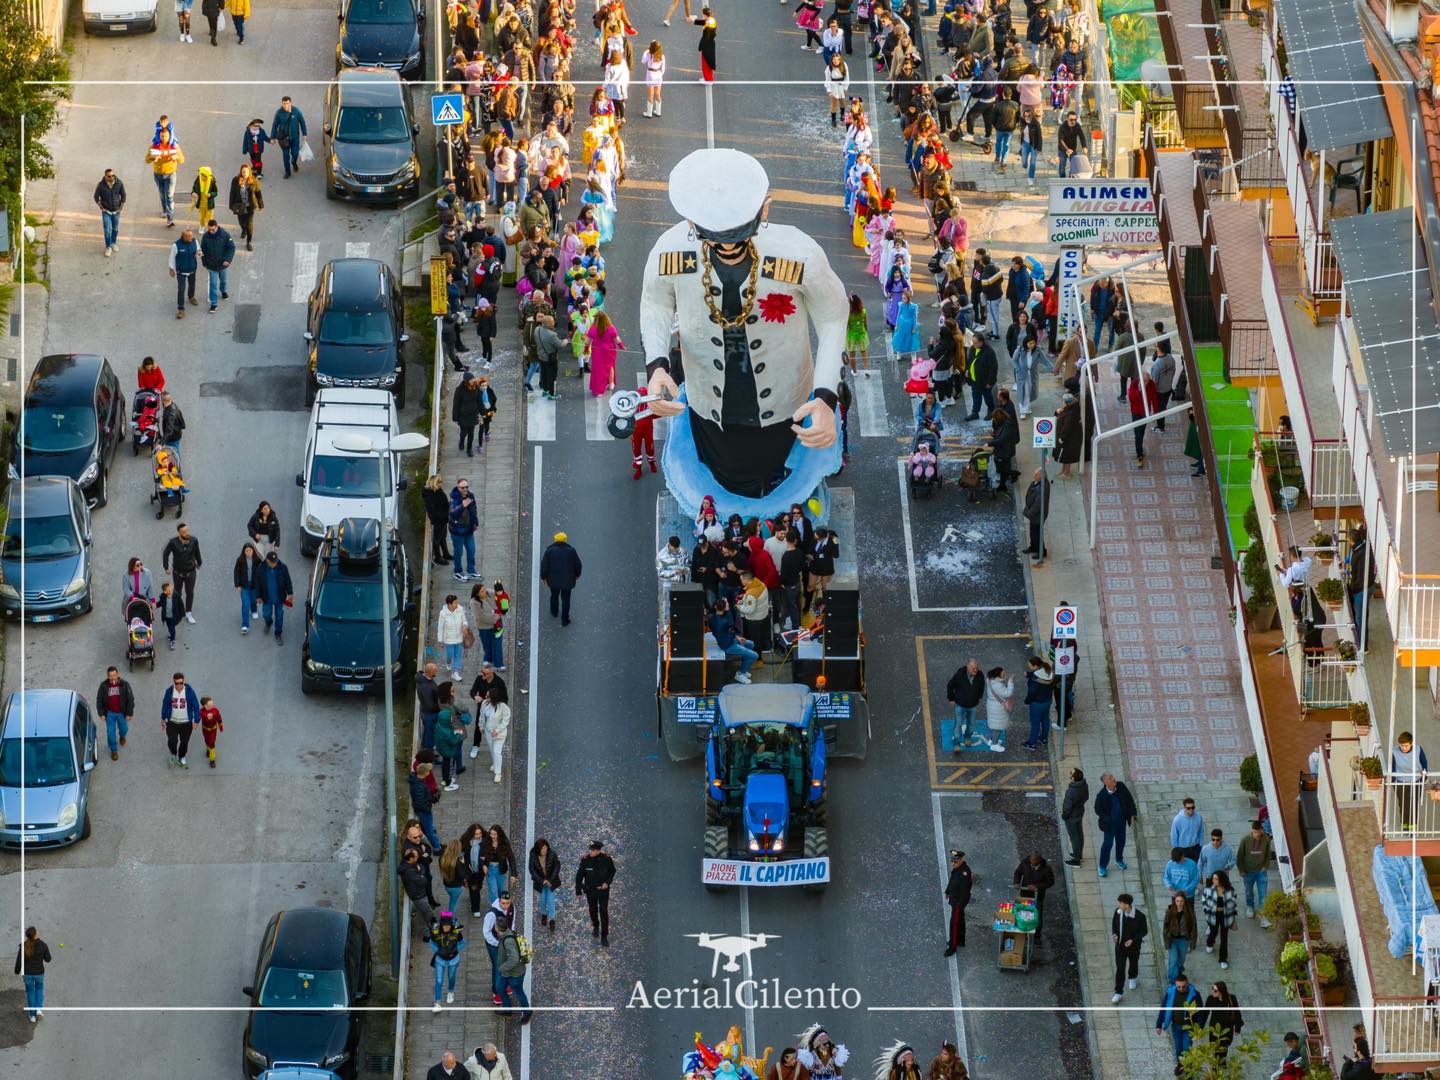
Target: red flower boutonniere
777,307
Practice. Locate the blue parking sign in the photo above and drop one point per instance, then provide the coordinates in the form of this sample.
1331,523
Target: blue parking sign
447,110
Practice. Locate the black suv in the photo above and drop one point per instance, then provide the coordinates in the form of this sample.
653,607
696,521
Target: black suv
74,418
355,329
343,647
313,969
370,138
382,33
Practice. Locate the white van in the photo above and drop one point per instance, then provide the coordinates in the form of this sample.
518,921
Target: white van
340,483
119,16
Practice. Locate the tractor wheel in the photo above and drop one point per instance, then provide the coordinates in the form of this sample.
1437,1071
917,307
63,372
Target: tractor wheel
819,813
712,811
717,846
817,846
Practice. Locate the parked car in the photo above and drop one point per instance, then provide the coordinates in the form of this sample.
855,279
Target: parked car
356,328
344,646
314,964
52,764
119,16
47,528
340,483
383,34
72,419
370,138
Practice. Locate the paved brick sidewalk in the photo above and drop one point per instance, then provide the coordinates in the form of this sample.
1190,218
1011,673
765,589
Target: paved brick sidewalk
495,476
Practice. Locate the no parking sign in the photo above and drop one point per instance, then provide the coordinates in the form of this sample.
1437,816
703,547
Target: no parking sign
1044,433
1067,623
1065,660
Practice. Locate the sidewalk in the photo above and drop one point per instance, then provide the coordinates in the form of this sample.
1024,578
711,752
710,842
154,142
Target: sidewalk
1177,729
495,476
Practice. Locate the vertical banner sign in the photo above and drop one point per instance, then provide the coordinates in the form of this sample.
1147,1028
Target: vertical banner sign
1072,261
439,302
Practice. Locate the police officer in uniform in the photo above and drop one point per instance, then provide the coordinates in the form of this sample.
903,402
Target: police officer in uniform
745,293
957,895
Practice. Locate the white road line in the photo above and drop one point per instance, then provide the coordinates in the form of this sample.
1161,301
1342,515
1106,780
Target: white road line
307,257
870,400
749,968
909,534
532,737
352,847
357,249
710,126
952,967
597,412
540,419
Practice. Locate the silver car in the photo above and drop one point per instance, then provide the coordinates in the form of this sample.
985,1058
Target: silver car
47,752
47,537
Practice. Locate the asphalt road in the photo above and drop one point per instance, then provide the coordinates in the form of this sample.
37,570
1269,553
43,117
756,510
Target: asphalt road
162,908
877,931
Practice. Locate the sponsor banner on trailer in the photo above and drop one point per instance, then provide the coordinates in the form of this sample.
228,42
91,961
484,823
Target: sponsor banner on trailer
1105,212
742,872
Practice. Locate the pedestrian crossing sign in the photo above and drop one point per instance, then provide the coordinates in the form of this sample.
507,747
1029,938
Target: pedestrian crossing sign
447,110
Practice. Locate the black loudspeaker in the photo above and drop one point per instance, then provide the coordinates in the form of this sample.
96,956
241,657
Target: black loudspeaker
842,624
687,622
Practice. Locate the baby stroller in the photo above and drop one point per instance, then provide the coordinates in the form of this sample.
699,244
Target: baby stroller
140,645
975,477
170,489
923,468
144,420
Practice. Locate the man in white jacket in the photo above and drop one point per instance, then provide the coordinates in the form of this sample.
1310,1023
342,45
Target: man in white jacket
487,1063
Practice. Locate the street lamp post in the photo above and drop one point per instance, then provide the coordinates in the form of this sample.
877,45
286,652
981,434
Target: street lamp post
351,443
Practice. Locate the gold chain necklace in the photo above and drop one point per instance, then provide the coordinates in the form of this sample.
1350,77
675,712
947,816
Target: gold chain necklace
747,295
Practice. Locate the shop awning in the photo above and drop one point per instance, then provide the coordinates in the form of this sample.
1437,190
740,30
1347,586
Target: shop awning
1337,95
1387,281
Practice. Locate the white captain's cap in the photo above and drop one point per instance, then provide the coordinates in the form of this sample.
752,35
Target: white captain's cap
718,190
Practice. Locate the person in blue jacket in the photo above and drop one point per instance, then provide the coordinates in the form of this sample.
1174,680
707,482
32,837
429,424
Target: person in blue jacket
287,130
252,145
1177,1011
275,592
464,521
179,715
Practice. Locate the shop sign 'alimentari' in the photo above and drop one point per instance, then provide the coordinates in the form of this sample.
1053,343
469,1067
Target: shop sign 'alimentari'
1118,213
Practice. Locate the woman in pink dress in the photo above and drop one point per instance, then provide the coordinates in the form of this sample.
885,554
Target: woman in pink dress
605,344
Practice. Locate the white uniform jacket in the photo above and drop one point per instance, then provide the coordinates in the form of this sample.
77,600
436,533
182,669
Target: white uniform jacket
795,287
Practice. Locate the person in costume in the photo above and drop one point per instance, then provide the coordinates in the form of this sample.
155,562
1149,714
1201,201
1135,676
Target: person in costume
746,292
642,437
824,1059
897,1063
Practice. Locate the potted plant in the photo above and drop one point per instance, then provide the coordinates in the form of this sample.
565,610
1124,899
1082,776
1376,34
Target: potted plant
1325,545
1346,651
1319,1070
1370,768
1255,573
1251,780
1331,592
1330,971
1360,716
1293,966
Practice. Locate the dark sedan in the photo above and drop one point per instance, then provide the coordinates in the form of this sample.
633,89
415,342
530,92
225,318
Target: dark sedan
72,419
313,968
382,33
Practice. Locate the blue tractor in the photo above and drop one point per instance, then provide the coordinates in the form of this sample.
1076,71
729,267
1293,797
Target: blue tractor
766,783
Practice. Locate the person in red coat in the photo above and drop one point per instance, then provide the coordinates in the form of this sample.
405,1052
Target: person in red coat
1140,408
643,434
149,376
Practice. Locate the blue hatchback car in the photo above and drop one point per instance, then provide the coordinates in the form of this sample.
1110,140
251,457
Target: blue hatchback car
47,752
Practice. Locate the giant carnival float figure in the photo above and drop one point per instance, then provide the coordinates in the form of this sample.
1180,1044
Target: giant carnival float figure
754,408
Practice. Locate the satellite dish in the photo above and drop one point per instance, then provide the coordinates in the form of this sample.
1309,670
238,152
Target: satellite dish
1156,74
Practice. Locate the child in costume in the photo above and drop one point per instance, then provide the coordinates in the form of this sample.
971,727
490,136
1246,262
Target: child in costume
210,727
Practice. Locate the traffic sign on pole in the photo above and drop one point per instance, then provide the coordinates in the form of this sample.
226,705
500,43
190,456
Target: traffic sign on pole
1044,433
1065,661
1067,623
447,110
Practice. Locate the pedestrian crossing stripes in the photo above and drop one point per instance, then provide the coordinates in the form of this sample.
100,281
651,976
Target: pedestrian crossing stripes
597,415
1025,776
540,418
357,250
869,395
307,258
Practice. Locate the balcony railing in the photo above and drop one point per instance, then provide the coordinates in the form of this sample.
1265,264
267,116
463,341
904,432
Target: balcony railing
1332,474
1321,676
1419,612
1164,122
1412,808
1406,1030
1249,350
